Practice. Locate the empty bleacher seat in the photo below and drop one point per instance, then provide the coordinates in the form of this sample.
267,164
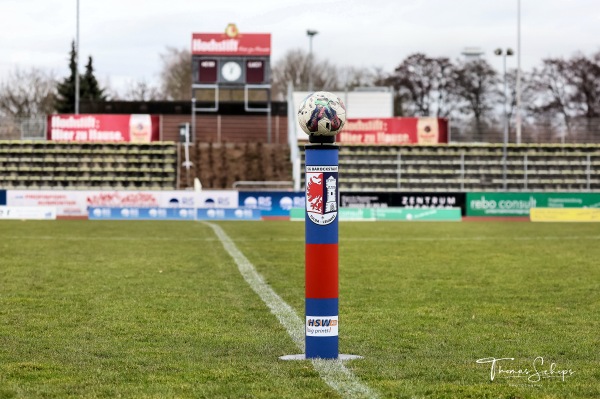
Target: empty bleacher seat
50,164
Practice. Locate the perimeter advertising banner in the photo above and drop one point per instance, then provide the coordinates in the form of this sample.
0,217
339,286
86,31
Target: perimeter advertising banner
70,203
394,131
28,212
272,203
390,214
100,213
565,215
134,128
2,197
519,204
361,199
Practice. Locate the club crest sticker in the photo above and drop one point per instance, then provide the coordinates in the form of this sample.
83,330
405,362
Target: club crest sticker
322,194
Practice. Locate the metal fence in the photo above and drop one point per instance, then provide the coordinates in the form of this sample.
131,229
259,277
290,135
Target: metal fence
576,131
23,128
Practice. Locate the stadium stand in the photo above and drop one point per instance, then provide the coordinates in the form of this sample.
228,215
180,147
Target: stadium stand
61,165
468,167
41,164
221,165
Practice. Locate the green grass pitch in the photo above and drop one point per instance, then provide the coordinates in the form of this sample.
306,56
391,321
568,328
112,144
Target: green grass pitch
159,310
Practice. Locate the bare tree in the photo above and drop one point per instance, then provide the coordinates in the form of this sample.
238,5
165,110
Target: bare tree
568,91
141,90
176,74
27,93
584,76
553,90
476,85
424,85
353,77
295,67
325,76
528,94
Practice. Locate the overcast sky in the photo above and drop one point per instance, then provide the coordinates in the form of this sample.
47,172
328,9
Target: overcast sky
126,37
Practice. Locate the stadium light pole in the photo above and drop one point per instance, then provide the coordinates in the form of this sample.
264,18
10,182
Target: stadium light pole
518,105
77,64
504,54
472,53
311,34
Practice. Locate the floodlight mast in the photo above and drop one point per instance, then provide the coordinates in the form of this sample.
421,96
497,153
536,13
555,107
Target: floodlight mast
311,34
504,54
518,89
77,64
472,53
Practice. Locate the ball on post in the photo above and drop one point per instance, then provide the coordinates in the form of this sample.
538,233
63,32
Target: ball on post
322,116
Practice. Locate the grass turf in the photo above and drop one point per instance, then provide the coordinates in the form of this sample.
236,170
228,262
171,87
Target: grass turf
158,309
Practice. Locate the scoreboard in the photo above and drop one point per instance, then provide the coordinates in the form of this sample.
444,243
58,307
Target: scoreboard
231,70
231,58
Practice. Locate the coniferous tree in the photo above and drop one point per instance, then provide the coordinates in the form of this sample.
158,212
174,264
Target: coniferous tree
90,89
65,101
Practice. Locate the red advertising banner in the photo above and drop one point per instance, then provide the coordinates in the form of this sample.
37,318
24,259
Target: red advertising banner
394,131
135,128
242,44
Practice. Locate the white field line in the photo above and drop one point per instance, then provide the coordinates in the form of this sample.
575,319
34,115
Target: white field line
343,239
402,238
333,372
112,238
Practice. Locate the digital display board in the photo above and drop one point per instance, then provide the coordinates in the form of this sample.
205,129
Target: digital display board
255,71
207,71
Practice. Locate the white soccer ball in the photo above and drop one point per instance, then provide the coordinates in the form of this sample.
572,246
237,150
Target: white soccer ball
322,114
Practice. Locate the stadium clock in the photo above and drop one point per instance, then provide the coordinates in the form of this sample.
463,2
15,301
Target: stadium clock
231,71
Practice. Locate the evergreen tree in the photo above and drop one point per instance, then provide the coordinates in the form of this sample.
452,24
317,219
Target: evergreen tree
90,89
65,101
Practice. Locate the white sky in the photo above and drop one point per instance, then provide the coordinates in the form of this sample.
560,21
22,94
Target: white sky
127,37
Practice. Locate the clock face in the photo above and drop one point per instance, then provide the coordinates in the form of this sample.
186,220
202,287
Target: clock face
231,71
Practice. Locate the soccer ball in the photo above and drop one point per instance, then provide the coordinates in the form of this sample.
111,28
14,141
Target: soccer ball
322,114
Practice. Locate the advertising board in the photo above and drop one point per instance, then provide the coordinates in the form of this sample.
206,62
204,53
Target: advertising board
519,204
28,212
361,199
129,213
394,131
134,128
69,203
247,44
565,215
390,214
271,203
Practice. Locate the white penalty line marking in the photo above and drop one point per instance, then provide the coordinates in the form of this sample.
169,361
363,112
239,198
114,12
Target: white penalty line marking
333,372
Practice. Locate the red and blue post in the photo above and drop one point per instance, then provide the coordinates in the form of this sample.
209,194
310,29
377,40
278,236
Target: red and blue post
322,207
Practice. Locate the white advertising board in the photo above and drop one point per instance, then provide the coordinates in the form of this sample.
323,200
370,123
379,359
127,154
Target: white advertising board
28,212
69,203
